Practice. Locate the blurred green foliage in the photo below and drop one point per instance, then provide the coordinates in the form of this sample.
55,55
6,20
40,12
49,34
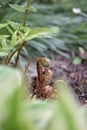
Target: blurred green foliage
18,113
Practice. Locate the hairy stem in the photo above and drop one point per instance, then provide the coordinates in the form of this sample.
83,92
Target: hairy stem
26,12
42,70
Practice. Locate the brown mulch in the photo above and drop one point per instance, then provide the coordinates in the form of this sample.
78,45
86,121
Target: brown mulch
75,75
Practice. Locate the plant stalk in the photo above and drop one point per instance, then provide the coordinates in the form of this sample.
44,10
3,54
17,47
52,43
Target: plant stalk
17,58
18,49
26,12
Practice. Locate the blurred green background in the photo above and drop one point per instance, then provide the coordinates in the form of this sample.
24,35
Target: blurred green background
73,26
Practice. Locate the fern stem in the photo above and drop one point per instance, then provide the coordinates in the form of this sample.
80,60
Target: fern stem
11,55
26,12
17,58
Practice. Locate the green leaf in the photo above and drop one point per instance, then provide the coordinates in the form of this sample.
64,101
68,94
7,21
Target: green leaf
41,32
3,54
16,26
32,9
10,81
3,36
34,33
77,61
14,39
22,8
4,44
4,47
81,50
18,7
3,25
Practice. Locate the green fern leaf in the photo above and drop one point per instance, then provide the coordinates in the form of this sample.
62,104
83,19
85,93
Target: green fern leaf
4,45
3,25
32,9
14,25
22,8
42,32
14,38
18,7
3,36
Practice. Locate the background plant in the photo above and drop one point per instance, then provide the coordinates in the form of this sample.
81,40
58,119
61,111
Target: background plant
52,13
56,13
18,33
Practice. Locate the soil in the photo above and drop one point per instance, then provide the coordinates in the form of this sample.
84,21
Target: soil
75,75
